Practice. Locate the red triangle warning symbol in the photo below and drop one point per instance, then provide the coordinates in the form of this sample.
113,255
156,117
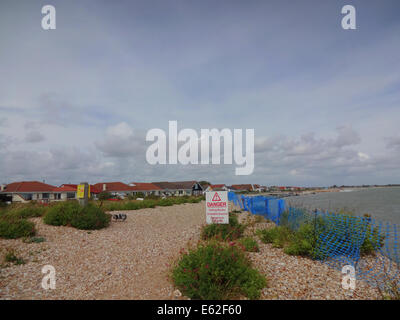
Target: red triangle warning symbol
216,197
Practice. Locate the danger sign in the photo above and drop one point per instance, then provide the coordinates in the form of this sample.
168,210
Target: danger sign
217,207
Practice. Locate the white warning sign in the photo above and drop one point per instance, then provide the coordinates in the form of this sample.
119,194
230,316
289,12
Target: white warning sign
217,207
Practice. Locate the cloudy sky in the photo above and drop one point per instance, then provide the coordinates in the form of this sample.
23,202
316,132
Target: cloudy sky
76,102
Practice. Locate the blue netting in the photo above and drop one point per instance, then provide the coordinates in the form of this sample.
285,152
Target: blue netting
339,239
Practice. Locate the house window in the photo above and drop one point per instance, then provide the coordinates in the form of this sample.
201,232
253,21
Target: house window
71,195
45,195
27,196
57,196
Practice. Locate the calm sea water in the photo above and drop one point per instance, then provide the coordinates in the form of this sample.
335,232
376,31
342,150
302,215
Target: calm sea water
381,203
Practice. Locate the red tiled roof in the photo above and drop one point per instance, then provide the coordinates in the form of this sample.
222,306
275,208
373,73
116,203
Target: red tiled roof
112,186
69,185
143,186
93,189
28,186
217,186
65,188
242,187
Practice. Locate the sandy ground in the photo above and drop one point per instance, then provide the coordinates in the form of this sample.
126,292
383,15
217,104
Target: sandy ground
130,260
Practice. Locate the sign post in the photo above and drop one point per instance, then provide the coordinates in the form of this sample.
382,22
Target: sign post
83,193
217,210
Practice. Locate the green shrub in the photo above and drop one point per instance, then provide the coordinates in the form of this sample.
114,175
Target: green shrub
148,202
374,240
249,244
12,257
278,236
231,231
72,214
16,228
25,212
62,213
90,218
214,272
307,239
34,240
105,195
302,243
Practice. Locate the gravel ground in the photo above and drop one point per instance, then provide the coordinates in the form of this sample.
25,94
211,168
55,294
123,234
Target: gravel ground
130,260
127,260
294,277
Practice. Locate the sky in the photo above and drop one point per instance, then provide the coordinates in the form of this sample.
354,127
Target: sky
76,102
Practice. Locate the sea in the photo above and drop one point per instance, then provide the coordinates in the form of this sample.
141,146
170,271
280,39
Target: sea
382,203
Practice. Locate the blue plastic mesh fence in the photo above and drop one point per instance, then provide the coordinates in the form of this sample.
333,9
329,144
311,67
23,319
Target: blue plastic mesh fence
339,239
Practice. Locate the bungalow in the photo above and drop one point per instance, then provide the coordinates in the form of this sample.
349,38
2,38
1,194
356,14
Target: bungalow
242,187
115,188
257,187
25,191
64,192
145,188
180,188
216,187
94,192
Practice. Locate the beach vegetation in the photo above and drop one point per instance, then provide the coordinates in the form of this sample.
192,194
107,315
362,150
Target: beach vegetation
249,244
87,217
217,271
303,234
224,232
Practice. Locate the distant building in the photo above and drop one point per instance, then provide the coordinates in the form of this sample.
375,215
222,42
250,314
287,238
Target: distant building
180,188
115,188
242,187
25,191
145,188
93,190
216,187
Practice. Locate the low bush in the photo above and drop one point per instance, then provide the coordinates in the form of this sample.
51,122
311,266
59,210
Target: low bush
105,195
11,256
307,236
16,228
259,219
148,202
89,217
249,244
28,211
62,213
214,271
224,232
278,236
34,240
302,242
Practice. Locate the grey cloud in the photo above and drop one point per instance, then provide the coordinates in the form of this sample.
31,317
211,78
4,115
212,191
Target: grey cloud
347,137
393,142
121,140
34,137
57,166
